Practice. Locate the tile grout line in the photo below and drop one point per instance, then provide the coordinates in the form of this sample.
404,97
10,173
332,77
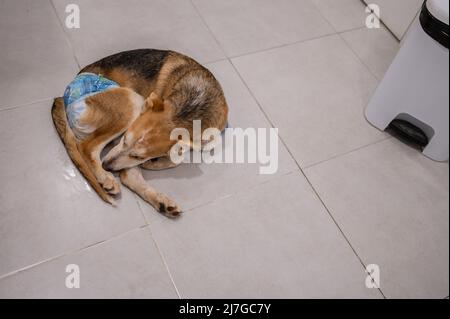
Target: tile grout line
138,202
209,29
227,58
238,192
66,36
163,259
166,266
386,138
339,34
214,61
381,21
71,252
282,45
360,59
18,106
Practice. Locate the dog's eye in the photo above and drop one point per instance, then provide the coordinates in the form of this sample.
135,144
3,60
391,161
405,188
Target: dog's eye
137,157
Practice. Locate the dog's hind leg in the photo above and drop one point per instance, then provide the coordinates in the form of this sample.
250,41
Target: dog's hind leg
91,149
158,164
133,179
110,114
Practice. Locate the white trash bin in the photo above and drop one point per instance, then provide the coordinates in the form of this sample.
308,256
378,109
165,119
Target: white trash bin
414,94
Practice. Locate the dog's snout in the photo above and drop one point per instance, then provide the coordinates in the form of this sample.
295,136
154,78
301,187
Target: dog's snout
107,165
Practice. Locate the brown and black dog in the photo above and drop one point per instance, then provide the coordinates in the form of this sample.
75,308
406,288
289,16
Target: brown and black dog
158,91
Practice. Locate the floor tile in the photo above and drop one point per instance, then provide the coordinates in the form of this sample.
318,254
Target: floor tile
108,27
46,206
252,25
272,241
343,14
125,267
398,14
192,184
392,203
36,60
315,93
377,48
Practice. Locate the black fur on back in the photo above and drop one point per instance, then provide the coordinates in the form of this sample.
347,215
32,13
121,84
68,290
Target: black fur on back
144,62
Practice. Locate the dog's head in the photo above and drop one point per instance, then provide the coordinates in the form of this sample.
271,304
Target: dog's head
147,138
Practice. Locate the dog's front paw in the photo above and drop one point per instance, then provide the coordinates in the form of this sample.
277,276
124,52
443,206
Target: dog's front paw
167,206
110,184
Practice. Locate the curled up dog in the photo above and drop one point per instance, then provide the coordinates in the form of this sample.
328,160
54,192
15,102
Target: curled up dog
137,97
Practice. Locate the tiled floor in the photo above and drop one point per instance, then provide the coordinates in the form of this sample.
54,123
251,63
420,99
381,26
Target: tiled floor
345,195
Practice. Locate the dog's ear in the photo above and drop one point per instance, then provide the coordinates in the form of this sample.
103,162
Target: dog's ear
154,103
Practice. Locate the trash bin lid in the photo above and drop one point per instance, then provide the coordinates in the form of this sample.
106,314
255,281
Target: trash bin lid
439,9
434,20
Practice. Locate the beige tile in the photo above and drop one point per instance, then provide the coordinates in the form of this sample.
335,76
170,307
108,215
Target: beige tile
376,48
46,207
272,241
392,203
252,25
36,61
315,93
192,185
110,26
343,14
128,266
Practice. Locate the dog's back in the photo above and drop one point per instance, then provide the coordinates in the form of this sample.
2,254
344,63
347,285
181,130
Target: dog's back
176,78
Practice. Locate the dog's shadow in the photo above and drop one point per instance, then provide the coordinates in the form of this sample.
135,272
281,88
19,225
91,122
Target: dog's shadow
183,171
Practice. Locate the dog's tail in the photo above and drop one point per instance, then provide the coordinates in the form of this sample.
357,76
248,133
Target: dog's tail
69,140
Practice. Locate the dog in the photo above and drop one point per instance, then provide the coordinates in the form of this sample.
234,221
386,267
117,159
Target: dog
136,97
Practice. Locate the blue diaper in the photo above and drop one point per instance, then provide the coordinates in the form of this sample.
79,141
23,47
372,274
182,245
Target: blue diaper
83,86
